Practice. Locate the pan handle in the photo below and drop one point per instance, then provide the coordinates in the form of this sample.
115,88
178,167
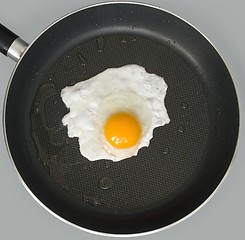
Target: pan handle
11,45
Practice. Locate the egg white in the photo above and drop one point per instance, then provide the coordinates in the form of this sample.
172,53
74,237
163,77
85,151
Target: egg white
126,89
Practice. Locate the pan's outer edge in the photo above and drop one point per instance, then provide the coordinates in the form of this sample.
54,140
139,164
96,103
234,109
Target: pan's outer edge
32,194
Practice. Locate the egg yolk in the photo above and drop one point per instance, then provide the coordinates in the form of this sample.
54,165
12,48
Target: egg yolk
122,130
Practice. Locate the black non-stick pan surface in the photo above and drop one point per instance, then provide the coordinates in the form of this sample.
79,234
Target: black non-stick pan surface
186,160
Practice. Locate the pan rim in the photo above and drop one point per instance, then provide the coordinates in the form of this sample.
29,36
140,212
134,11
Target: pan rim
39,201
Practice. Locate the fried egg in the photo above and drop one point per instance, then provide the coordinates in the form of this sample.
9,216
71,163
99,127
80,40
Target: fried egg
114,113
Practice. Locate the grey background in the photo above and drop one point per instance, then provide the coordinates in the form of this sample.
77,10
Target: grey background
223,217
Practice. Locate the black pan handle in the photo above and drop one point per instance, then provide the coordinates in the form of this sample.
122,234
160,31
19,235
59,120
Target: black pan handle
11,45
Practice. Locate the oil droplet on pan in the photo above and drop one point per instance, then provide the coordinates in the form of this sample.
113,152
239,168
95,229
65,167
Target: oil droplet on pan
184,105
105,183
181,129
81,59
37,109
128,39
50,77
166,151
124,40
100,44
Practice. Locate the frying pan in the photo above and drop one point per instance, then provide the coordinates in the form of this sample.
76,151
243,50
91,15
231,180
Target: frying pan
186,160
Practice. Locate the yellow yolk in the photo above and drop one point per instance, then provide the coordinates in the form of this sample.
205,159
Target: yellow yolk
122,130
